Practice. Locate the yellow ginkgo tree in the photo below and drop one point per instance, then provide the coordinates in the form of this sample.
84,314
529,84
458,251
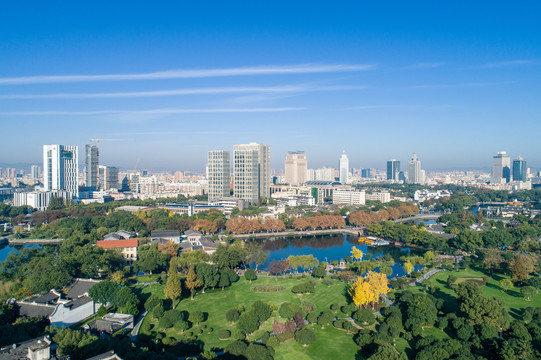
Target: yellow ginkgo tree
356,253
368,290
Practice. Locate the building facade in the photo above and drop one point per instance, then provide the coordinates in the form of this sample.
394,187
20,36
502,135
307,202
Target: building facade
296,167
92,159
520,170
344,168
393,169
60,168
219,174
39,200
35,172
349,197
251,169
501,168
108,177
414,170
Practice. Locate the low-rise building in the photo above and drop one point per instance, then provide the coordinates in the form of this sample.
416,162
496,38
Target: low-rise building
111,323
39,200
423,195
349,197
383,197
128,247
35,349
167,235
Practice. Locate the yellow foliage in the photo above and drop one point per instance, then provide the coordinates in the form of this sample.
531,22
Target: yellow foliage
367,290
356,253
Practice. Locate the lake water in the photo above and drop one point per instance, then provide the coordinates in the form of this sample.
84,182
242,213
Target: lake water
6,249
329,248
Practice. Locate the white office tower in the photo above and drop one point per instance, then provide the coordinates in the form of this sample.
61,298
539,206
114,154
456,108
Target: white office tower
92,160
344,168
219,174
60,168
296,168
108,177
35,172
501,168
251,168
415,175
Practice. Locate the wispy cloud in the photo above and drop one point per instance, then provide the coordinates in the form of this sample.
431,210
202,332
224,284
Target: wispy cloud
509,63
459,85
180,92
184,74
150,112
412,107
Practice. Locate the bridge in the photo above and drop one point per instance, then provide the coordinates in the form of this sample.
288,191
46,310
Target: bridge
428,216
35,241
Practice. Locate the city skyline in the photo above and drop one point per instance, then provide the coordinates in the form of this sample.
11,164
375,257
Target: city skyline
353,77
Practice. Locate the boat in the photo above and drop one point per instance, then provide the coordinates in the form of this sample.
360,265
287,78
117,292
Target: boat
374,241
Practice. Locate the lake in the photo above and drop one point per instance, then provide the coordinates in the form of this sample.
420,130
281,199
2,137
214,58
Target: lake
6,249
330,248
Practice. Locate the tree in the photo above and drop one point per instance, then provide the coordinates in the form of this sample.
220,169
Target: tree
429,257
356,253
151,259
261,310
259,352
56,203
152,302
479,309
207,275
192,282
232,315
248,323
197,317
492,259
73,342
173,287
288,310
279,267
102,292
305,337
119,278
468,240
250,275
325,318
408,268
506,284
125,301
522,266
527,292
256,254
361,293
319,272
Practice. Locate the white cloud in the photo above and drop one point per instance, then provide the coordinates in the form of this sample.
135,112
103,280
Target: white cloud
184,74
507,63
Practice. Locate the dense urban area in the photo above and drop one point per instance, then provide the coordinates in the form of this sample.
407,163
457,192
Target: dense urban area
254,265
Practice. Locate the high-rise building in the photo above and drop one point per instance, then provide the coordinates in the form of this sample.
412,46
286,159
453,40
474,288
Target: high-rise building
92,160
501,168
414,170
35,172
520,170
344,168
60,168
393,169
366,173
251,171
219,174
108,177
296,167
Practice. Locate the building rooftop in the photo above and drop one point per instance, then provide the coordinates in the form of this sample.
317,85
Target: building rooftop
109,355
164,233
34,310
322,182
118,244
20,350
80,287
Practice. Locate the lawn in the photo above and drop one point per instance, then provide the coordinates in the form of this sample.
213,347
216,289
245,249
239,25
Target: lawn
330,341
514,302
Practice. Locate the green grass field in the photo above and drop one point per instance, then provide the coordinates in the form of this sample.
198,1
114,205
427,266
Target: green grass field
330,341
514,302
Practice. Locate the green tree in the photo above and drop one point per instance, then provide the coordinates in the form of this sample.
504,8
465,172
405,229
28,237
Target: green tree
103,292
506,284
248,323
319,272
197,317
306,336
250,275
173,286
468,240
527,292
192,282
479,309
56,203
151,259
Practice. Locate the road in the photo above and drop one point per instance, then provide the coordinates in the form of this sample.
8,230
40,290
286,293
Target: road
135,330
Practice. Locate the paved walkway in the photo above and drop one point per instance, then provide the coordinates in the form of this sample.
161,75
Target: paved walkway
425,277
135,330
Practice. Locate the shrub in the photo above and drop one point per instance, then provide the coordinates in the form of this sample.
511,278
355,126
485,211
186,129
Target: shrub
182,325
348,309
312,317
267,288
261,310
307,307
303,288
248,323
273,342
158,311
146,327
232,315
305,336
325,318
327,281
169,341
288,310
335,307
451,279
250,275
319,272
198,317
338,323
348,326
364,316
237,348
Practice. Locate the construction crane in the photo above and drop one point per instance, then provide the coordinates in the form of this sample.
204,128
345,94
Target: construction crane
98,140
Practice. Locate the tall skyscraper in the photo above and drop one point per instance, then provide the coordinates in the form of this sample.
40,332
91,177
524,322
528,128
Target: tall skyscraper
344,168
92,160
393,169
219,174
296,167
60,168
35,172
501,168
108,177
414,170
520,170
251,171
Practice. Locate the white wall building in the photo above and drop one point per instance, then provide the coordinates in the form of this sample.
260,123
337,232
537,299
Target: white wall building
39,200
414,170
349,197
251,171
344,168
383,197
61,169
501,168
296,167
219,174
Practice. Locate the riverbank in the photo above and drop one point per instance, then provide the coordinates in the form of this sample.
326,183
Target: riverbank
356,231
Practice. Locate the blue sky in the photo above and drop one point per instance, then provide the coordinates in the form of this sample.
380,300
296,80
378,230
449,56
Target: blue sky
454,82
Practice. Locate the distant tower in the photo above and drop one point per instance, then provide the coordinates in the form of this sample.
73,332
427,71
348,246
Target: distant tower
296,167
219,174
414,170
501,168
35,172
60,168
251,165
108,177
520,169
92,160
393,169
344,168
